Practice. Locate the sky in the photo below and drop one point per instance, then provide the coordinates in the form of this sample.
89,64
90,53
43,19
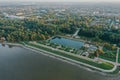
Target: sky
63,0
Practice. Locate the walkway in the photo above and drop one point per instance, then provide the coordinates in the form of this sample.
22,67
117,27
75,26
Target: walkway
77,62
76,33
117,60
111,24
115,63
62,58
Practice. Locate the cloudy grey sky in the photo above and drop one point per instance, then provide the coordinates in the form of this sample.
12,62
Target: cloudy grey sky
65,0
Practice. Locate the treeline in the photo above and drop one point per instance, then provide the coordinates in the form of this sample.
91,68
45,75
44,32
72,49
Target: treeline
106,35
42,29
68,30
25,30
31,29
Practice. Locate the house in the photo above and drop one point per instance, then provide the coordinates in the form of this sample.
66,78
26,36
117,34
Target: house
85,54
3,39
92,48
86,45
58,47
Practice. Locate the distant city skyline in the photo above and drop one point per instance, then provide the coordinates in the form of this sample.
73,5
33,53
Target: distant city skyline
61,0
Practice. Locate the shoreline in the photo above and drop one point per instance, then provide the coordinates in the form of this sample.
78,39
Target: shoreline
64,59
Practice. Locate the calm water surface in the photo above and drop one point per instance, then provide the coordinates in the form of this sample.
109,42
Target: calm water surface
17,63
67,42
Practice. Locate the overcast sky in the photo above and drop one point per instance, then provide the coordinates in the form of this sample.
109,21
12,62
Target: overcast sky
65,0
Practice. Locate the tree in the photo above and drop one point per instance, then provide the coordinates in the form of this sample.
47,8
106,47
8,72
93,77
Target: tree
43,37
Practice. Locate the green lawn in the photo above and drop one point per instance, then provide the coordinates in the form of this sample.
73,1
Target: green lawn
119,56
104,65
107,58
109,55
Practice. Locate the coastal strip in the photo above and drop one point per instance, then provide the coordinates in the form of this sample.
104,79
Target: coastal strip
37,50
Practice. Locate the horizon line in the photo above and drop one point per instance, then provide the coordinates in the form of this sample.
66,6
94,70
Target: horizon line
66,1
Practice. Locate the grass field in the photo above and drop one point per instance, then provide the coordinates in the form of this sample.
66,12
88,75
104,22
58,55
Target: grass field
119,56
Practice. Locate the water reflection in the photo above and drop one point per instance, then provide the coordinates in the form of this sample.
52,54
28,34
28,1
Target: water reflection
10,46
3,45
17,63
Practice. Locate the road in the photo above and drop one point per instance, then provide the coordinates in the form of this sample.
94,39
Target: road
115,63
76,33
112,23
63,58
117,57
77,62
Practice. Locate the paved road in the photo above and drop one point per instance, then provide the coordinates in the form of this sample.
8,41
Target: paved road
115,63
68,59
63,51
76,33
117,57
112,23
103,70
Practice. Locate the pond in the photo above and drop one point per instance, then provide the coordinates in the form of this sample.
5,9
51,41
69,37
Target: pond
67,42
